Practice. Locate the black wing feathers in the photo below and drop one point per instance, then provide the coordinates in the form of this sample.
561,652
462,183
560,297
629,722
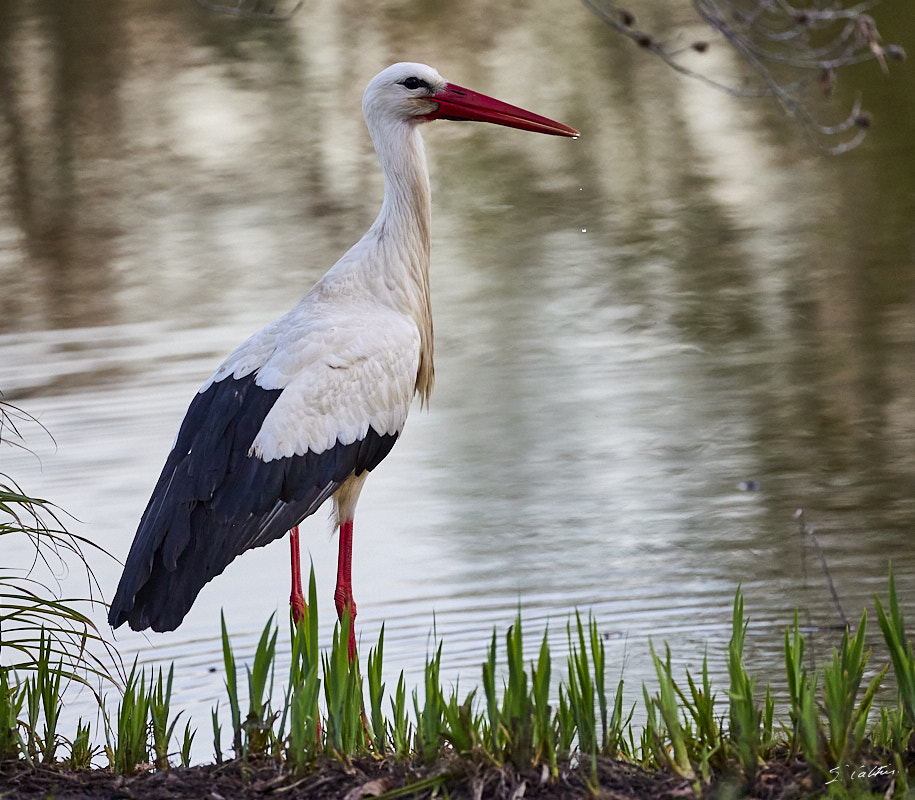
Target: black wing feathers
213,501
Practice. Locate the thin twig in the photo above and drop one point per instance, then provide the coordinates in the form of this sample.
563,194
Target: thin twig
808,532
238,10
805,45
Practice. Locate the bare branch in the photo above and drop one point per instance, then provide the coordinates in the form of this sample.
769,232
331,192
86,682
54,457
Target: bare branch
791,51
252,9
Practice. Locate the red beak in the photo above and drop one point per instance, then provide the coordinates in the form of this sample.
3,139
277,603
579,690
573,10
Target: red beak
456,102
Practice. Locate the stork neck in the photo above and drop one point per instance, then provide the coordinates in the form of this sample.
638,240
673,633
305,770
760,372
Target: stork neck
406,212
401,234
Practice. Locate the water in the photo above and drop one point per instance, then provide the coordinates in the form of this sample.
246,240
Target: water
653,344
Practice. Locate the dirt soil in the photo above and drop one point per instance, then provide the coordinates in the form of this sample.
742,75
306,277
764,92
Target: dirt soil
332,780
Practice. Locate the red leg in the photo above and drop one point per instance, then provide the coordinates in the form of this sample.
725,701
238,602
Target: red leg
296,598
343,595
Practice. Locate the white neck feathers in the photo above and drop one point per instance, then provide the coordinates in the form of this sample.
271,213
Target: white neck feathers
398,244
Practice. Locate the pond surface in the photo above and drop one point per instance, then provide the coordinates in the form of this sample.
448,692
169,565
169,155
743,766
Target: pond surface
654,344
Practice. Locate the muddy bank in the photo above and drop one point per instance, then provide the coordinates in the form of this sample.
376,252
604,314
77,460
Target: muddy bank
332,780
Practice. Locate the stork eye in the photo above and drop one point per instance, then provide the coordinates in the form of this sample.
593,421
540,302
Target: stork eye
415,83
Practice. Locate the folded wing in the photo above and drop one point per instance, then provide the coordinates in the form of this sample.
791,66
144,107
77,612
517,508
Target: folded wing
253,458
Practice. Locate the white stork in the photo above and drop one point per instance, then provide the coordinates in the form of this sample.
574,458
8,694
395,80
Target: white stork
308,406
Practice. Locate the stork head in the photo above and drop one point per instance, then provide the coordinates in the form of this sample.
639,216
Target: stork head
412,93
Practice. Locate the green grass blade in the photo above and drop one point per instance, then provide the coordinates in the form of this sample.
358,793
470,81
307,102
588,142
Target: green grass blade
231,682
378,730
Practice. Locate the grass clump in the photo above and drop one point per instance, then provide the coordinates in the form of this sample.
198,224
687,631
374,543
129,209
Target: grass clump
37,626
128,736
161,721
903,659
750,725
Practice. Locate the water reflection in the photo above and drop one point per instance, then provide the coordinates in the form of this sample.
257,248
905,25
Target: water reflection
629,326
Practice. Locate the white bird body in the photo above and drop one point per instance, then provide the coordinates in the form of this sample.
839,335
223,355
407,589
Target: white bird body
306,407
